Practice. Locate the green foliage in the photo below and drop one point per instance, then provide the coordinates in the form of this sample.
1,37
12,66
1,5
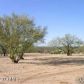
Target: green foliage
18,33
81,49
68,42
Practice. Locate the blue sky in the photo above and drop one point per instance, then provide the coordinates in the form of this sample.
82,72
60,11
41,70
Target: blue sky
60,16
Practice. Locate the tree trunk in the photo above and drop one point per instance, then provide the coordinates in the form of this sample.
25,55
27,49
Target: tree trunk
69,51
15,59
21,55
4,52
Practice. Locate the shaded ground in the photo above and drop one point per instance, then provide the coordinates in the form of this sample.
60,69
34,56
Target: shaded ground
42,69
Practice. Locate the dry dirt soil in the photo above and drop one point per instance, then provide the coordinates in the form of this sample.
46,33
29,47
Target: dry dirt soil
43,69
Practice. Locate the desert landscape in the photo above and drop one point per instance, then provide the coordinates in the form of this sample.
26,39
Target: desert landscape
41,42
42,69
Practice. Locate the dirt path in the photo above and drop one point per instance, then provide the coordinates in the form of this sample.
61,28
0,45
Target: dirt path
43,69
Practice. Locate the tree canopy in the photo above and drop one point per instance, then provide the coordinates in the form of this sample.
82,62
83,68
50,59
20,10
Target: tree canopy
68,42
18,33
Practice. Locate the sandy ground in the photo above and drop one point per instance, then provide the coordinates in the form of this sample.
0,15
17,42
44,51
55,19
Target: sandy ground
43,69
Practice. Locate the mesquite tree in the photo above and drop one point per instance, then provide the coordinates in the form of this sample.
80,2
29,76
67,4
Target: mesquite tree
66,43
18,33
